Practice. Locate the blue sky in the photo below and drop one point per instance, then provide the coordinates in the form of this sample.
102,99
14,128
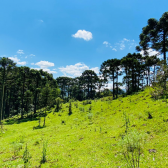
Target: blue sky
66,37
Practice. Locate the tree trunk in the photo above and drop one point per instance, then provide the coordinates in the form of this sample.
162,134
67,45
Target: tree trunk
113,86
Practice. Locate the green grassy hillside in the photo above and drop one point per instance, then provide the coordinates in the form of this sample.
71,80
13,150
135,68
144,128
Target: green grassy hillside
91,136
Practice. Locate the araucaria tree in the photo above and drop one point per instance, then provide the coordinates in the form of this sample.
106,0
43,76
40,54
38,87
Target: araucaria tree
89,79
110,70
21,87
155,36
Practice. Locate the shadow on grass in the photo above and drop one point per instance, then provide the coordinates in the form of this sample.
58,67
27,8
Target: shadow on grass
39,127
19,120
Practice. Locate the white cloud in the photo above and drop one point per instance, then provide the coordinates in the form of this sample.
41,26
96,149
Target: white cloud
86,35
126,39
21,63
96,70
15,59
121,45
41,21
110,86
109,45
151,52
114,49
106,43
44,64
32,55
126,43
76,70
20,52
46,70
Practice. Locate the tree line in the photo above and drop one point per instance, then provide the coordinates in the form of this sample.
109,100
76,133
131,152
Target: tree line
135,69
23,89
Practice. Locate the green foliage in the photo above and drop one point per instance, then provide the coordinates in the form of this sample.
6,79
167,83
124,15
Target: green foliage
70,109
44,153
26,157
16,147
59,102
92,137
132,145
127,122
87,102
76,105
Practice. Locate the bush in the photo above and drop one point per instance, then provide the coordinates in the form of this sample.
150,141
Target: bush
58,104
87,102
16,147
132,144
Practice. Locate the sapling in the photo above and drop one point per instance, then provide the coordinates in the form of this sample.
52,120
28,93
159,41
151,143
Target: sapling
70,109
26,157
44,153
58,104
45,114
127,122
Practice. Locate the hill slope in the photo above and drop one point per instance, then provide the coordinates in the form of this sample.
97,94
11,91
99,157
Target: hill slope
91,136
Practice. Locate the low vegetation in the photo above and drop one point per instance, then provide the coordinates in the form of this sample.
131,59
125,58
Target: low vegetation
105,133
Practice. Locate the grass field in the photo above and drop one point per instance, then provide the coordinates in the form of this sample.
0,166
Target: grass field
91,136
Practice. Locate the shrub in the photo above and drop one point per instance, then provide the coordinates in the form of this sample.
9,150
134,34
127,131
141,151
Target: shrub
132,148
87,102
16,148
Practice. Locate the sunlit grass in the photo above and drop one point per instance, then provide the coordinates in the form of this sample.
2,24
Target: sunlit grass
90,136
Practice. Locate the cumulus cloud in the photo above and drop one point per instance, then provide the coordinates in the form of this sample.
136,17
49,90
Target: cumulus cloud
86,35
44,64
46,70
76,70
21,63
151,52
96,70
16,60
20,52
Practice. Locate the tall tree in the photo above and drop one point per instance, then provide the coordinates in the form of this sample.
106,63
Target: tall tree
89,79
110,71
6,65
155,36
133,68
